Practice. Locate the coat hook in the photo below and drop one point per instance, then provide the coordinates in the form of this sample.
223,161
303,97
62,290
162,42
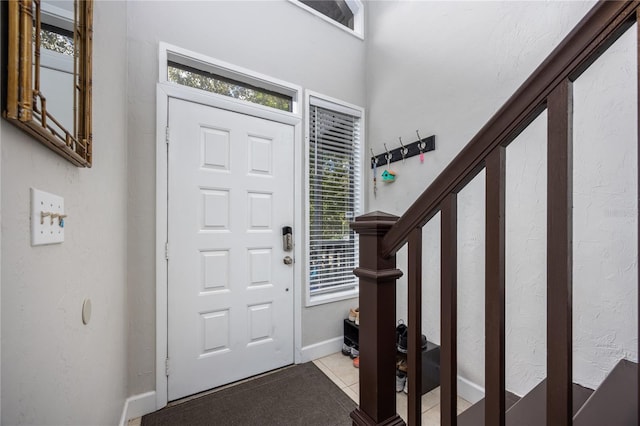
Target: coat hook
374,164
388,176
404,150
389,155
421,147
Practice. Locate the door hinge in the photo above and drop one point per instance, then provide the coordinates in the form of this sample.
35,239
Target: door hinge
166,251
166,367
166,135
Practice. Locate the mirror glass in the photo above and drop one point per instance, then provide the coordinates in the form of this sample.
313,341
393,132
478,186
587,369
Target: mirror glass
49,75
57,61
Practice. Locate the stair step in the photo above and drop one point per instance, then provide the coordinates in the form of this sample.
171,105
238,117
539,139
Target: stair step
530,410
615,402
474,415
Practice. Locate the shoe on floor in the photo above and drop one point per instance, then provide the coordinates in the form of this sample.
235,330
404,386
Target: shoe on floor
402,346
354,353
346,349
401,379
356,362
353,314
402,366
406,386
401,330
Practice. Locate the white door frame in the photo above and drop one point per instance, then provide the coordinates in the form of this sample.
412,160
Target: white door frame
164,91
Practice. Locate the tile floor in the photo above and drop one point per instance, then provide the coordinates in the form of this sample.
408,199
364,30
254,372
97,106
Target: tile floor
340,370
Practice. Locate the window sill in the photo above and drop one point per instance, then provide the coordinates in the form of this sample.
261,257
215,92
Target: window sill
322,299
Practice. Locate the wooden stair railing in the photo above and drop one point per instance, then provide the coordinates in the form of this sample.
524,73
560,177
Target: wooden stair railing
382,235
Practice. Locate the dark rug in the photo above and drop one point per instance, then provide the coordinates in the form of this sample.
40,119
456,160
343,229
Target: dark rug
298,395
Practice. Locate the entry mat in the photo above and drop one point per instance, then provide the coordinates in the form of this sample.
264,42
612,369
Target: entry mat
297,395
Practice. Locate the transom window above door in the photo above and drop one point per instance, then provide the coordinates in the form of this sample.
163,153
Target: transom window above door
192,77
230,82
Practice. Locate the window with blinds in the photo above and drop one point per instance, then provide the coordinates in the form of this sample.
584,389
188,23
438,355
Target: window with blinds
334,199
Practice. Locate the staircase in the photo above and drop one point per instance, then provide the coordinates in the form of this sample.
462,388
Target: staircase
531,409
556,401
615,402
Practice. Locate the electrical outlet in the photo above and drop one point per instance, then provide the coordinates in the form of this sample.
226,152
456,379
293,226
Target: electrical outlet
47,218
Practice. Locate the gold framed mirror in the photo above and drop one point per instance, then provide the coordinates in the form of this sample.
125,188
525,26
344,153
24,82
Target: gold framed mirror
49,74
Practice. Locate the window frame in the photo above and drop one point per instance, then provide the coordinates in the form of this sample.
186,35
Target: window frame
317,99
356,6
170,53
226,80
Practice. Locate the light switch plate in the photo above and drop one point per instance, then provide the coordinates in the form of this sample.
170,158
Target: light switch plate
44,230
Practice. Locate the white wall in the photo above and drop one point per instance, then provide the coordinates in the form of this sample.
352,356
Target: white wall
55,370
444,68
275,38
605,218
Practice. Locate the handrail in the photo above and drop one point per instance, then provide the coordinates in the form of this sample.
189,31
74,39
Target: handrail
604,23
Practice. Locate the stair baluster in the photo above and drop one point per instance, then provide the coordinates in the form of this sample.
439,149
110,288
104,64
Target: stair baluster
414,355
559,255
494,288
449,310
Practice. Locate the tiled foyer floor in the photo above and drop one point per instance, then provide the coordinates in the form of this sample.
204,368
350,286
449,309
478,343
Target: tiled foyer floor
340,370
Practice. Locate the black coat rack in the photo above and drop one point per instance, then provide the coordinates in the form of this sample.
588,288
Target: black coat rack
410,150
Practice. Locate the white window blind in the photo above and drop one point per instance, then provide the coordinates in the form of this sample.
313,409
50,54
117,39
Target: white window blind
334,198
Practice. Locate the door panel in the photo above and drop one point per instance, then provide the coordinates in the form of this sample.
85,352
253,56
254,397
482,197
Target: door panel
230,296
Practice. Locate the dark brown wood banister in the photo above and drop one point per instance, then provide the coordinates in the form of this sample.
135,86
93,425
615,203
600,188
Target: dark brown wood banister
604,23
382,235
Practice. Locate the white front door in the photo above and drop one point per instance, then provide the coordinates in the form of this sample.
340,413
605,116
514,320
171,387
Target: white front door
230,295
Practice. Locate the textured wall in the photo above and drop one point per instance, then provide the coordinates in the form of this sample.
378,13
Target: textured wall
526,255
445,68
605,213
55,370
277,39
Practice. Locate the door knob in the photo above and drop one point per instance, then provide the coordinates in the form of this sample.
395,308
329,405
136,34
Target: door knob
287,260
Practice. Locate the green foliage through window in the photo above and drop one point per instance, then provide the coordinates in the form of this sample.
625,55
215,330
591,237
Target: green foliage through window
187,76
56,41
334,193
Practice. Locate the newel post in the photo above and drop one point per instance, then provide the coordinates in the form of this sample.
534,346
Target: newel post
377,338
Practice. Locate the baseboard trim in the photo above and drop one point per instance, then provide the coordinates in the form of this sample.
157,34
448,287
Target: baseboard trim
321,349
137,406
469,390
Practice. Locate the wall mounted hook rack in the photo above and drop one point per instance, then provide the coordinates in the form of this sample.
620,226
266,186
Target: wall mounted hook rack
422,145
